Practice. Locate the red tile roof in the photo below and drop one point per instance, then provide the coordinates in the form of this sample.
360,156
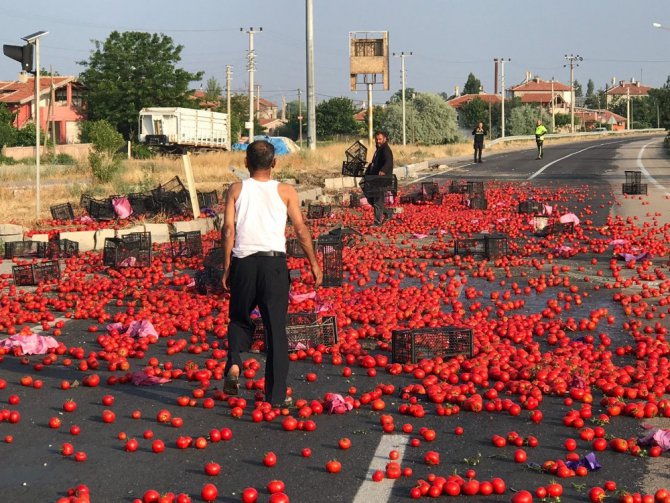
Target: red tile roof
538,85
459,101
537,98
635,89
24,92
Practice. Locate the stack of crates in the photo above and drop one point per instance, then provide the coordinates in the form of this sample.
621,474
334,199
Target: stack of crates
414,345
633,184
33,274
62,248
330,246
142,203
101,209
172,197
356,156
131,250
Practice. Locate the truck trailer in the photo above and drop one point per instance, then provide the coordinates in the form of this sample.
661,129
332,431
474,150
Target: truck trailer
180,130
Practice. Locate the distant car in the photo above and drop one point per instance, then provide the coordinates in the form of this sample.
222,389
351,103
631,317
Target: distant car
599,130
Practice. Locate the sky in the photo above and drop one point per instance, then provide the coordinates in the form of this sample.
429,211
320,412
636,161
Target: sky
448,39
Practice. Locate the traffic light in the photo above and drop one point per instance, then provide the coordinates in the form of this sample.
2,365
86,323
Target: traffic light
22,54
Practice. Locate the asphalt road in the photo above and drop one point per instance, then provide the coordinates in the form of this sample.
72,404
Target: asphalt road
587,175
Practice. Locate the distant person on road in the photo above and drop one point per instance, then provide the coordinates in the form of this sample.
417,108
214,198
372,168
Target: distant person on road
479,133
255,270
381,165
540,131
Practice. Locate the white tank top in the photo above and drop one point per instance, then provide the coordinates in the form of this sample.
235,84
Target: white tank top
261,219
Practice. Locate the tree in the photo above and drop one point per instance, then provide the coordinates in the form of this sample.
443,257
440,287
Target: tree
473,112
336,117
397,96
523,119
132,70
7,129
661,99
590,86
578,90
473,85
213,90
106,141
430,121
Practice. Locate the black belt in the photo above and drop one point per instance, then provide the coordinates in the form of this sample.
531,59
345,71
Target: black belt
268,254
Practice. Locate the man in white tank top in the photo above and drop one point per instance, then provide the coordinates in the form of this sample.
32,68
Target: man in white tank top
255,270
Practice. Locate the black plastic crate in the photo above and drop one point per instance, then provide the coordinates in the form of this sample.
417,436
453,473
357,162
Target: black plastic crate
27,249
329,246
634,189
415,198
293,248
85,201
353,168
531,208
473,245
496,246
378,186
208,199
62,212
354,200
292,319
457,187
142,203
633,177
414,345
101,209
357,152
430,190
208,279
473,188
32,274
318,211
62,248
186,244
477,202
172,197
131,250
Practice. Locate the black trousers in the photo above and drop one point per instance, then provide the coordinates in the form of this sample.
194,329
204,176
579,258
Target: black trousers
478,151
379,206
540,144
263,282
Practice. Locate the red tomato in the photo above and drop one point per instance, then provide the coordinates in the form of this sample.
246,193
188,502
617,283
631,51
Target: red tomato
270,459
522,497
520,456
344,443
209,492
212,469
275,486
333,466
249,495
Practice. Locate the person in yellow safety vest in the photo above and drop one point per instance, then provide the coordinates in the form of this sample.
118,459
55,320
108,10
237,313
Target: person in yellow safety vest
540,131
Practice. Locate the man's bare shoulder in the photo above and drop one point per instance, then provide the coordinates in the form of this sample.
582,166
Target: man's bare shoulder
286,189
235,188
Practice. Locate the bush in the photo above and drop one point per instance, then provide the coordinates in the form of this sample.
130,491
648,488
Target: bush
142,152
7,160
103,166
104,137
63,159
26,136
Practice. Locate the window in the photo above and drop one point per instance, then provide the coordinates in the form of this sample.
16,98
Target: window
368,47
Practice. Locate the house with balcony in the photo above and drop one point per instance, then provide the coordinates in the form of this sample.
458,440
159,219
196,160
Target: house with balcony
550,94
61,105
626,90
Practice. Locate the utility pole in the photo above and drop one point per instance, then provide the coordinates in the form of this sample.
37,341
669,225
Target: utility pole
258,100
370,118
300,117
251,68
402,57
502,92
553,118
571,61
628,118
311,98
229,74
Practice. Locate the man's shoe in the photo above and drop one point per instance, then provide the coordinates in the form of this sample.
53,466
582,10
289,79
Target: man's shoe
231,385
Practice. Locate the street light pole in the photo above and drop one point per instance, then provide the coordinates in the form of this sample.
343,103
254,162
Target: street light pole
553,118
34,39
251,68
502,93
311,94
402,57
660,26
571,61
229,74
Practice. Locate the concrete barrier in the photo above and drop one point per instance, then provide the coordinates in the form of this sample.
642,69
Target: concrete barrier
11,232
101,235
160,233
129,230
44,238
85,239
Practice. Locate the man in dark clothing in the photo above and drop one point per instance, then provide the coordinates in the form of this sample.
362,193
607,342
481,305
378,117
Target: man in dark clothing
381,165
479,133
255,270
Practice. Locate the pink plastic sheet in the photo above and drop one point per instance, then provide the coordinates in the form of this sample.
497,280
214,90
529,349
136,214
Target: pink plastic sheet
122,207
30,344
337,404
139,378
137,328
656,436
568,218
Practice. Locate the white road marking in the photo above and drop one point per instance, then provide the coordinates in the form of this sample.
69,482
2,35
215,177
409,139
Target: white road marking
445,170
381,491
644,171
562,158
